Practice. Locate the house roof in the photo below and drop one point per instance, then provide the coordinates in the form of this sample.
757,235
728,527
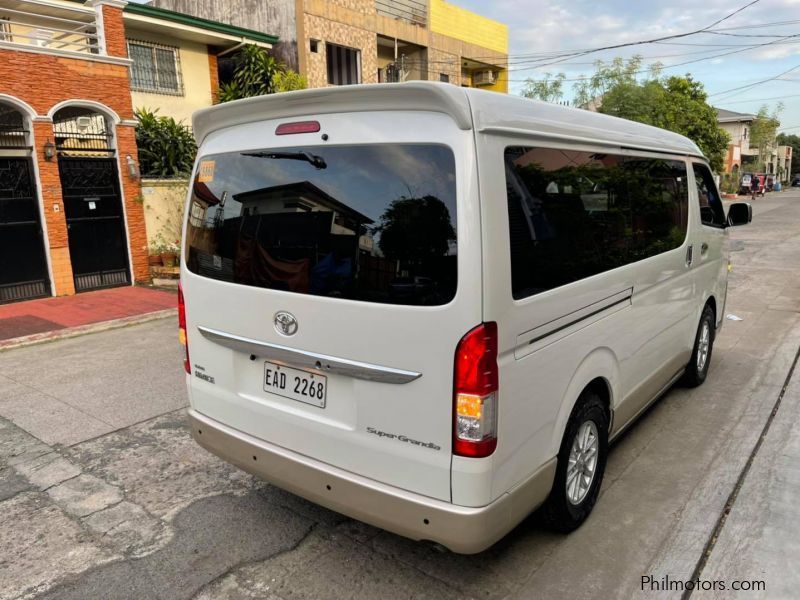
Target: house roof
483,111
729,116
163,14
304,187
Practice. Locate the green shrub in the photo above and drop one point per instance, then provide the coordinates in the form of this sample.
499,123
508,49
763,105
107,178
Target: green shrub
257,73
166,147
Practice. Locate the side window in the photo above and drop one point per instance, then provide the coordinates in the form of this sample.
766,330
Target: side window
576,214
711,211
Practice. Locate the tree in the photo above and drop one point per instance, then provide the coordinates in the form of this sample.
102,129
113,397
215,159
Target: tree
762,134
415,229
675,103
256,73
547,89
166,146
618,73
629,90
793,141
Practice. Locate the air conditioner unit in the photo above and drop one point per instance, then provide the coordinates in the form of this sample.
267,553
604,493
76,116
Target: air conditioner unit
483,77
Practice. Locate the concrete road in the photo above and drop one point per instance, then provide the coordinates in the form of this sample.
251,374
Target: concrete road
104,495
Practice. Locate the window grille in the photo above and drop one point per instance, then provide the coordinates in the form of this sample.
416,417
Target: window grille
344,65
155,68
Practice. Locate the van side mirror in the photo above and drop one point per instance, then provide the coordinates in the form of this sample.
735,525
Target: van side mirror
740,213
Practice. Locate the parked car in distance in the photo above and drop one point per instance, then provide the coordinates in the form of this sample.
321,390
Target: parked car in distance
796,182
744,184
576,279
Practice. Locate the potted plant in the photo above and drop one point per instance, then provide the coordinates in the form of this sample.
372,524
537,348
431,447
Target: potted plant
169,254
730,186
154,254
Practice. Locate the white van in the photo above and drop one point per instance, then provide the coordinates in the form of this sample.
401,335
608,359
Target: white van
431,308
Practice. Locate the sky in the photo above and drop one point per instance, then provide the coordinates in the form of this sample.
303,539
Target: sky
538,27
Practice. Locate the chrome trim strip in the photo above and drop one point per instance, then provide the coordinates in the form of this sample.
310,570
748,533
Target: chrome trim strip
309,360
560,323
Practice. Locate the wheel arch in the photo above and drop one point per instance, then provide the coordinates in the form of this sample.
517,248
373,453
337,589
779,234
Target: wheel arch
599,371
712,302
710,299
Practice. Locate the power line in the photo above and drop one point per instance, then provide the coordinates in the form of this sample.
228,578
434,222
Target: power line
669,37
647,58
743,87
523,64
688,62
737,11
762,99
583,51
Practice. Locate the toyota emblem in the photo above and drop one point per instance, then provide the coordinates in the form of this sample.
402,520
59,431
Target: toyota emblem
285,323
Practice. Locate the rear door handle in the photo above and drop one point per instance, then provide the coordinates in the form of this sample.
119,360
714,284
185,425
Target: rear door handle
689,256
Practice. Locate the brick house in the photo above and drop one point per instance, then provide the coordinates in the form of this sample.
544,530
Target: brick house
69,191
72,214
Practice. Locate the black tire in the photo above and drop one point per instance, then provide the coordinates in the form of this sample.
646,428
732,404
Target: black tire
558,512
696,374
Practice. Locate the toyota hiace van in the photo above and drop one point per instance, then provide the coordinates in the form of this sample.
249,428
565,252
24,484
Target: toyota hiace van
431,308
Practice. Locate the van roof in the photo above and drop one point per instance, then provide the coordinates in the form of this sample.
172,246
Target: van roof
486,112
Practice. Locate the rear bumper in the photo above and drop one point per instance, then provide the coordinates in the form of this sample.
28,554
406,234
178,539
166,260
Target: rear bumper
465,530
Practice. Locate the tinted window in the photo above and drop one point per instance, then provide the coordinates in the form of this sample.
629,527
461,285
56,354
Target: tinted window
711,211
373,223
575,214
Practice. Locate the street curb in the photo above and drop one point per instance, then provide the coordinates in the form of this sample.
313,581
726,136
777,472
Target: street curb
71,332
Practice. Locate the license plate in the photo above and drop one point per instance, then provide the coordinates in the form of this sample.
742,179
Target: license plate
296,384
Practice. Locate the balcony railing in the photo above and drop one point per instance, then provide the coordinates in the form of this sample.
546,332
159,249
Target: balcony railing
412,11
44,25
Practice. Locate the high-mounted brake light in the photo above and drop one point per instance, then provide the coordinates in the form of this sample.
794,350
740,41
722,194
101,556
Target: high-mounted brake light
475,387
182,337
297,127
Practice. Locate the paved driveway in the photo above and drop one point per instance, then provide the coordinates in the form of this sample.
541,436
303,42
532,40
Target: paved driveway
104,495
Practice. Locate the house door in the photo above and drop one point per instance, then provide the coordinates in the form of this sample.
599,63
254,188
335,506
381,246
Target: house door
87,166
23,266
98,246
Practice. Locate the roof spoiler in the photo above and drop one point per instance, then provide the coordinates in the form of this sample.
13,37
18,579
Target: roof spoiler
417,95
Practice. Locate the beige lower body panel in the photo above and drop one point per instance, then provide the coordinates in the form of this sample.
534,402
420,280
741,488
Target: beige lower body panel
462,529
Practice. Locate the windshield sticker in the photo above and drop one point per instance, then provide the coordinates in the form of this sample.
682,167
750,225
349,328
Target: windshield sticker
205,172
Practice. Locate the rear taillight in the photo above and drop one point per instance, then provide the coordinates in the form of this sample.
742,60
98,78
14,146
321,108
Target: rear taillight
475,386
184,340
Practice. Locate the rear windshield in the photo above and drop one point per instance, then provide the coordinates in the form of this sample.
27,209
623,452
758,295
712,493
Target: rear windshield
372,223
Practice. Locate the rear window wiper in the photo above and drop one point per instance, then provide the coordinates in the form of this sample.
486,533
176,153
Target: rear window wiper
313,159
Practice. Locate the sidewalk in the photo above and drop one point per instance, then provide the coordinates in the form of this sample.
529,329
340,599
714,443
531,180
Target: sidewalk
35,320
759,540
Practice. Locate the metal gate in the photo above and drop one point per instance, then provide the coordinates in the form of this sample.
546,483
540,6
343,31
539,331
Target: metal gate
87,165
95,224
23,266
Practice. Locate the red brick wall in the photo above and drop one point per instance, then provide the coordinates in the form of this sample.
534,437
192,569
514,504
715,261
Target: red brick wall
134,207
214,74
114,28
54,219
44,80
